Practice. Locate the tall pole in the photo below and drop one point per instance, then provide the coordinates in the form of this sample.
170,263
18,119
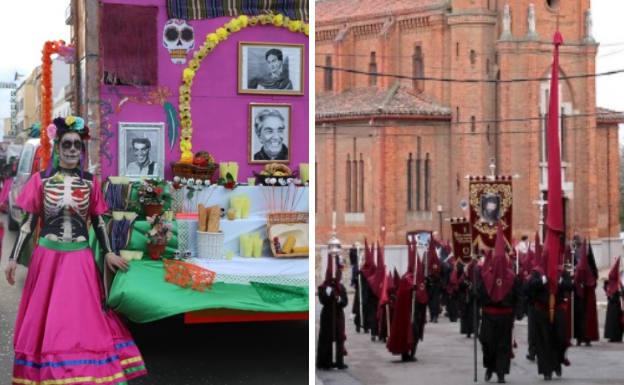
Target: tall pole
541,203
474,315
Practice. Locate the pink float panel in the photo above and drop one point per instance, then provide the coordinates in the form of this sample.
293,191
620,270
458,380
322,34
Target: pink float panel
220,115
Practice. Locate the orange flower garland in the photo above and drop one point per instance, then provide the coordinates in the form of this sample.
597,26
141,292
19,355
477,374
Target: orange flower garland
49,48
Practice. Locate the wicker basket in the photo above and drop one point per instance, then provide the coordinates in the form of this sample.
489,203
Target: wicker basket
186,170
210,245
285,218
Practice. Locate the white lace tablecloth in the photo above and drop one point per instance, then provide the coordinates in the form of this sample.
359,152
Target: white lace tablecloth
243,271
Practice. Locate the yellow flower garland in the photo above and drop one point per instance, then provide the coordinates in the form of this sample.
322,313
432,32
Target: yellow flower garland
212,40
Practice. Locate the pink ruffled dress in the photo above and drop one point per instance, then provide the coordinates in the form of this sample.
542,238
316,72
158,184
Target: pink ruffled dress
63,334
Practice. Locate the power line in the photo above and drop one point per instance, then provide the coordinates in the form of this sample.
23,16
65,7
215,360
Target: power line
488,121
451,80
492,133
429,67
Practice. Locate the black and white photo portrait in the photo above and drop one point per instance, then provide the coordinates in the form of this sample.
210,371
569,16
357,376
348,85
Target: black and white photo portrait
141,150
266,68
490,208
269,133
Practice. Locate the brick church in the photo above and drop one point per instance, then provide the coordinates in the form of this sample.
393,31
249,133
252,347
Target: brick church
394,151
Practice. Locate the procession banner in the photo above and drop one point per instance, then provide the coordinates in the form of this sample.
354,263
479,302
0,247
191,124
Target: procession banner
460,237
490,204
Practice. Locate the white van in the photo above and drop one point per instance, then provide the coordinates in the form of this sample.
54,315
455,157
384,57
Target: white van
24,170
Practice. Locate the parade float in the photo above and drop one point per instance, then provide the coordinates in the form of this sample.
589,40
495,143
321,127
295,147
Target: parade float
203,150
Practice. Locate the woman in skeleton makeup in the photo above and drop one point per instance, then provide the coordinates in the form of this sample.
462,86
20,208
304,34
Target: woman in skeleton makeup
63,333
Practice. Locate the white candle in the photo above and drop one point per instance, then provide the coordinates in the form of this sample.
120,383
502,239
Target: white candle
333,220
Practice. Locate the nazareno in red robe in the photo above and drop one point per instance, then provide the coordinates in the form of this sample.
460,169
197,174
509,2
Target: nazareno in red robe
402,339
585,311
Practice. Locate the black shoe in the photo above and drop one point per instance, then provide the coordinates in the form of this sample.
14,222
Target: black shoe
530,357
588,343
468,335
342,367
488,375
547,377
406,357
373,338
501,379
558,372
323,367
357,329
578,343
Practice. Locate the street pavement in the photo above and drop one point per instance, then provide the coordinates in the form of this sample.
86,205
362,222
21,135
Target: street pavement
263,353
446,358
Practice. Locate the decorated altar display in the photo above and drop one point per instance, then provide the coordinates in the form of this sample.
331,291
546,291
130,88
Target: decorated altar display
210,205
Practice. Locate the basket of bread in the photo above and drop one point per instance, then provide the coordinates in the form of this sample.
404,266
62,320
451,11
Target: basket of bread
274,170
288,234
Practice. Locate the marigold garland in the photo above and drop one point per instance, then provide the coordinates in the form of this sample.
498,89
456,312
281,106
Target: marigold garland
212,40
49,48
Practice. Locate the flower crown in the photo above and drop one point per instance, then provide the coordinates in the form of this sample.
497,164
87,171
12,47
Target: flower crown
71,123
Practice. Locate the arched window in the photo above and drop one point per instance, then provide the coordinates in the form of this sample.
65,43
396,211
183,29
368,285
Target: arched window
553,3
329,74
418,69
372,69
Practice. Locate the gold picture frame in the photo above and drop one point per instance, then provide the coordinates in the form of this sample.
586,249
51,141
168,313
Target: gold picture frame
271,68
259,152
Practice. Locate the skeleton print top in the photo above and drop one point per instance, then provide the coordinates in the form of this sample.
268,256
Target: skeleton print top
67,202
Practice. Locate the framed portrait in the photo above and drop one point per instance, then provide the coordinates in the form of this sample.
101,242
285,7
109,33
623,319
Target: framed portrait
490,208
269,133
271,68
142,150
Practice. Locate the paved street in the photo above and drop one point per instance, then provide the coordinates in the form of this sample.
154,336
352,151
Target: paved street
238,353
445,358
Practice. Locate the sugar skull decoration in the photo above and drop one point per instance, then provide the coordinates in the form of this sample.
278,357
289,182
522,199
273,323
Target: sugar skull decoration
179,39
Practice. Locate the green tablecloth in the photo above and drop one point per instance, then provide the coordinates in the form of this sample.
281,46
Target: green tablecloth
143,295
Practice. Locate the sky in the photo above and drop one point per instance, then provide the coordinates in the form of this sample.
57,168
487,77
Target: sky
27,24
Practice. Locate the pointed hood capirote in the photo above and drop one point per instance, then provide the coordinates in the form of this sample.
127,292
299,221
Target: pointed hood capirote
613,284
421,288
368,269
380,272
583,274
498,277
433,262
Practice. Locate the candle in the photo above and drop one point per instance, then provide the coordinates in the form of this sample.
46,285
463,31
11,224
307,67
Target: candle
304,172
257,246
333,220
245,206
245,245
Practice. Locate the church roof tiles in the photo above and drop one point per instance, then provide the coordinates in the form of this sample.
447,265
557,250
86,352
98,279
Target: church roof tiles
371,102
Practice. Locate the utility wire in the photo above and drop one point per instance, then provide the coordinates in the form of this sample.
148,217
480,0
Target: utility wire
451,80
488,121
329,131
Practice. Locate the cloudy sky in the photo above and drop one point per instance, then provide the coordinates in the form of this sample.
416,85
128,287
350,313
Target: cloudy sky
27,24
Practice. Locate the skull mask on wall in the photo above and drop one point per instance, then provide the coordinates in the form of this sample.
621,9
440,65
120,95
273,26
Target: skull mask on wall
179,39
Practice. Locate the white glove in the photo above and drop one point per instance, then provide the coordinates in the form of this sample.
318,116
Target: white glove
544,279
560,280
328,290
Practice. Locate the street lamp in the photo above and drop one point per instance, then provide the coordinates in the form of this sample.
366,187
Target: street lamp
440,211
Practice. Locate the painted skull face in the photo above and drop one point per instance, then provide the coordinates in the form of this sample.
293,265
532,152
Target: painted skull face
70,147
179,39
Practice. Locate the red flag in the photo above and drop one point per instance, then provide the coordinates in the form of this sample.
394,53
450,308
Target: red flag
554,219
